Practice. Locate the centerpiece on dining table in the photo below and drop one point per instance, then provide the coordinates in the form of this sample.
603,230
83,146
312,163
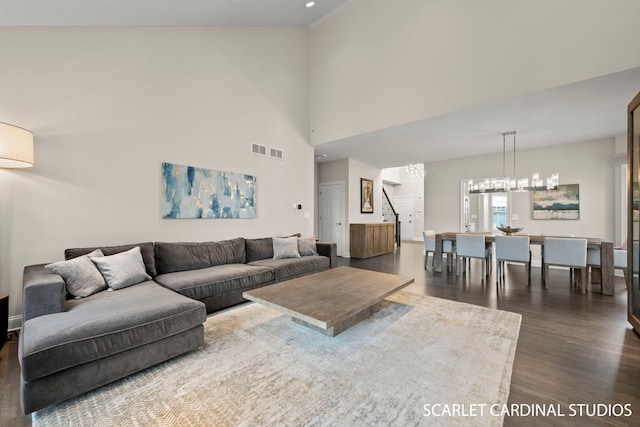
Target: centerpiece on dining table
508,230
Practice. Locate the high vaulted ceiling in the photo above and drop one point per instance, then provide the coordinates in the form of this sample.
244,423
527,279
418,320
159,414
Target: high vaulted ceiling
163,12
583,111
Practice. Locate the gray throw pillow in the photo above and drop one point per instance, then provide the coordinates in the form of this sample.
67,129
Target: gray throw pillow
80,275
122,269
307,246
285,247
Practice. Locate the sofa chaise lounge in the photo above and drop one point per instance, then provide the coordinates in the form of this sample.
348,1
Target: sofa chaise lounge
69,346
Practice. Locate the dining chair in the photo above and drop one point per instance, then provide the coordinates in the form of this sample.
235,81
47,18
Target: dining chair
429,237
542,253
566,252
619,259
513,249
470,246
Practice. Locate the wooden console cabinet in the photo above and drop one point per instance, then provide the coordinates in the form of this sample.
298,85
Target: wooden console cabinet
369,240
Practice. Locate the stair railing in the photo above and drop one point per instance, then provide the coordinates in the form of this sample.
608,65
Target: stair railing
396,217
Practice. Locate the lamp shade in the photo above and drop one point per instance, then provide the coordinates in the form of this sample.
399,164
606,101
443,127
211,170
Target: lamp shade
16,147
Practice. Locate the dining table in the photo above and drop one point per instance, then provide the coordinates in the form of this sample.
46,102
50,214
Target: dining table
603,274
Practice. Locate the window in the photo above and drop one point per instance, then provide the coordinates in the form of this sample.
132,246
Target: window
499,210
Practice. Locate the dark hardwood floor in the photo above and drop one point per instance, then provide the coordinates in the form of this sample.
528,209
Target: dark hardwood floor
10,412
573,348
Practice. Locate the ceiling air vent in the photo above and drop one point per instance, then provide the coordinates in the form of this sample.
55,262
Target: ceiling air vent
275,153
258,149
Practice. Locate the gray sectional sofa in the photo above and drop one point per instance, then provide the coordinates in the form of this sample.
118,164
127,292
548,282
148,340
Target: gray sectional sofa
217,273
70,346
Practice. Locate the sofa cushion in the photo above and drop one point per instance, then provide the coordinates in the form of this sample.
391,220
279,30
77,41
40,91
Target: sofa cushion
182,256
307,246
123,269
285,247
259,248
205,282
104,324
289,268
148,254
80,275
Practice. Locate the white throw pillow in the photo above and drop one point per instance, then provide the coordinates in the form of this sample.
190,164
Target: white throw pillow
122,269
285,247
80,275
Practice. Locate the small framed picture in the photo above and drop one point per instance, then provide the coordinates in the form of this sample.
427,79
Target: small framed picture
366,195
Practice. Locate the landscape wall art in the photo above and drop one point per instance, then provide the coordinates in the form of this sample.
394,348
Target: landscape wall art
191,192
563,203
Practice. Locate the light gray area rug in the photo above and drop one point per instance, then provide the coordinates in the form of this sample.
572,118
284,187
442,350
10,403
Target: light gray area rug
258,367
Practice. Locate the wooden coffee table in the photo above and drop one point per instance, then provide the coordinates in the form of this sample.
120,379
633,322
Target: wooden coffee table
330,301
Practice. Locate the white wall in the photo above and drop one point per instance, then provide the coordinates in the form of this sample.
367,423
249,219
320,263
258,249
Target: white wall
358,170
350,171
332,172
408,186
588,164
391,179
380,63
393,175
336,171
108,105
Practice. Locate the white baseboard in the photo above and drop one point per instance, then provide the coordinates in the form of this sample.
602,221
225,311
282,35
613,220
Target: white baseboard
15,323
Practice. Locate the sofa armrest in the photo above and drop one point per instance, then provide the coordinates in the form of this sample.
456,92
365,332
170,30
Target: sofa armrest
329,250
43,292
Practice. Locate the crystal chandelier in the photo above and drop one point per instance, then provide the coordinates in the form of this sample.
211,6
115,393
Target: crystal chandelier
505,183
416,170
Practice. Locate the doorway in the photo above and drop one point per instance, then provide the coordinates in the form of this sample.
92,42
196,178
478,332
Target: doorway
331,215
483,212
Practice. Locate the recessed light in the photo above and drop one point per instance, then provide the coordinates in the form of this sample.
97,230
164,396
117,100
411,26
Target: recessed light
310,4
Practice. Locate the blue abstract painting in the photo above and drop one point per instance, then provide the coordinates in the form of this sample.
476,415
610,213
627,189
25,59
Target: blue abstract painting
190,192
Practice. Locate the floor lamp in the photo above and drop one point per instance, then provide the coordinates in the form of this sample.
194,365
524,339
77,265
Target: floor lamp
16,151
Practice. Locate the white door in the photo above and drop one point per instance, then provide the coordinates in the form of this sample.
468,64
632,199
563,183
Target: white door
404,207
331,216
